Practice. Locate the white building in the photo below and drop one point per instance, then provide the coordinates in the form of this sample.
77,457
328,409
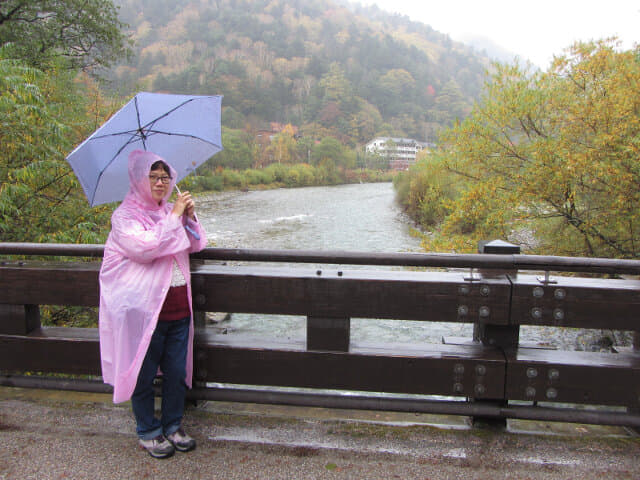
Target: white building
401,152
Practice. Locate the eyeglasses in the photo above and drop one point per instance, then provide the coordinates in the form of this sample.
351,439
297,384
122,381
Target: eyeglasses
164,179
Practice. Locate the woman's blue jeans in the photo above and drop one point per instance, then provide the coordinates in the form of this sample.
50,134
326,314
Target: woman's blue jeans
167,350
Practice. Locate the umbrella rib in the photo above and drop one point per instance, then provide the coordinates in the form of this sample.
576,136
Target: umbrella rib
169,112
124,145
186,135
165,114
140,129
128,142
133,134
126,132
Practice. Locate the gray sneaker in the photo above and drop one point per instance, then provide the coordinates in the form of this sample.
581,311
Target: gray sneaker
181,441
158,447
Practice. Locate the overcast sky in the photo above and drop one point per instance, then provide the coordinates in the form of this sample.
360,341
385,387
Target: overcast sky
534,30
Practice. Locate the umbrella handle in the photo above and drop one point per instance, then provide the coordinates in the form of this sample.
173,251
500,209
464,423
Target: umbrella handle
187,227
192,232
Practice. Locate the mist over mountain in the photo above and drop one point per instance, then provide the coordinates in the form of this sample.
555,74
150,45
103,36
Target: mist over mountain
330,69
488,47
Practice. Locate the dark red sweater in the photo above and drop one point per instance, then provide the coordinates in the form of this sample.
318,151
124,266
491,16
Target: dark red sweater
176,304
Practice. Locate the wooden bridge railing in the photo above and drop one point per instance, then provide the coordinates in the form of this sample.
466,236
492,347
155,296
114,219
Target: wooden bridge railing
490,375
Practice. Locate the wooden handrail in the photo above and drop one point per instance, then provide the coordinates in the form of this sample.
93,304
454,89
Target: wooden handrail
431,260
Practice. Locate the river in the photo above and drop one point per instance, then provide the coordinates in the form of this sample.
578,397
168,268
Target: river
358,217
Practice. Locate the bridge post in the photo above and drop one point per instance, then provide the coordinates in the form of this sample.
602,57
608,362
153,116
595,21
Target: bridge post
19,319
199,316
504,337
636,350
328,334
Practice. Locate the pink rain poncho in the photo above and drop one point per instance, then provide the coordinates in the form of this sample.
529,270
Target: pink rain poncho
135,276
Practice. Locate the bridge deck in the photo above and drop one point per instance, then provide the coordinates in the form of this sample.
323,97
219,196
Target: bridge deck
52,434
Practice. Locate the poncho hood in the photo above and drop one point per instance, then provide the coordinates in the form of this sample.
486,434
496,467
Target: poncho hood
140,162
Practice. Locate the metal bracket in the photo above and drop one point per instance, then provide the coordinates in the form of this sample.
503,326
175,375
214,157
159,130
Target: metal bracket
546,279
471,277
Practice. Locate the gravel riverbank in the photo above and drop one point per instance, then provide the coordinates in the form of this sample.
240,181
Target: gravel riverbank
62,435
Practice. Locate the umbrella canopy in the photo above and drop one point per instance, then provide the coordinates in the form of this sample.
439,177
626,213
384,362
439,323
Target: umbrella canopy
182,129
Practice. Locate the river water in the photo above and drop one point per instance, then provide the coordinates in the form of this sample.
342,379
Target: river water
358,217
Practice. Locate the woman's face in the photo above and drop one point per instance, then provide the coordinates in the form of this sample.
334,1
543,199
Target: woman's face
159,188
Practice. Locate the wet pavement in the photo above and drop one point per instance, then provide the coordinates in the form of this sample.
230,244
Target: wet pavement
62,435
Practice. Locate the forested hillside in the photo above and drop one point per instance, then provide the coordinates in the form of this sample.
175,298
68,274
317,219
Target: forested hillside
341,71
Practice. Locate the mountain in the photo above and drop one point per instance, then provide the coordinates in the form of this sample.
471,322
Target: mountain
330,69
488,47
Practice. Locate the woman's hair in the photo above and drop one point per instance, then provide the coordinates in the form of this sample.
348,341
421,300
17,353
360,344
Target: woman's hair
162,165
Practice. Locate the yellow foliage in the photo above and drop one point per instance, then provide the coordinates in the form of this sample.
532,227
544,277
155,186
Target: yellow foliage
551,156
179,25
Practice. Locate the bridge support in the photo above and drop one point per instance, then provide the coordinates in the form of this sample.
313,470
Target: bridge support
636,349
504,337
19,319
328,334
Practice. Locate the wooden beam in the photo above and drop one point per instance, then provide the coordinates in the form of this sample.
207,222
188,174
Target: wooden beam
431,296
576,302
574,377
472,371
52,350
39,283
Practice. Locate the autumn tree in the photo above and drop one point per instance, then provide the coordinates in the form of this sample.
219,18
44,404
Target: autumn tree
46,108
282,148
426,191
550,159
42,116
82,33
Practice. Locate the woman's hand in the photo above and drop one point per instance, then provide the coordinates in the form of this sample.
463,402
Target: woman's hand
184,204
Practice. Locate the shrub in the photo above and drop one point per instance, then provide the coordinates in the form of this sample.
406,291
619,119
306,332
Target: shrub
232,178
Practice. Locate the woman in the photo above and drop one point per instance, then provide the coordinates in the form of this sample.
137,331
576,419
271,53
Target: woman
146,321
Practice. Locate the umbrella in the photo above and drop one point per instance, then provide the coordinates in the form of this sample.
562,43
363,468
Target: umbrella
182,129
